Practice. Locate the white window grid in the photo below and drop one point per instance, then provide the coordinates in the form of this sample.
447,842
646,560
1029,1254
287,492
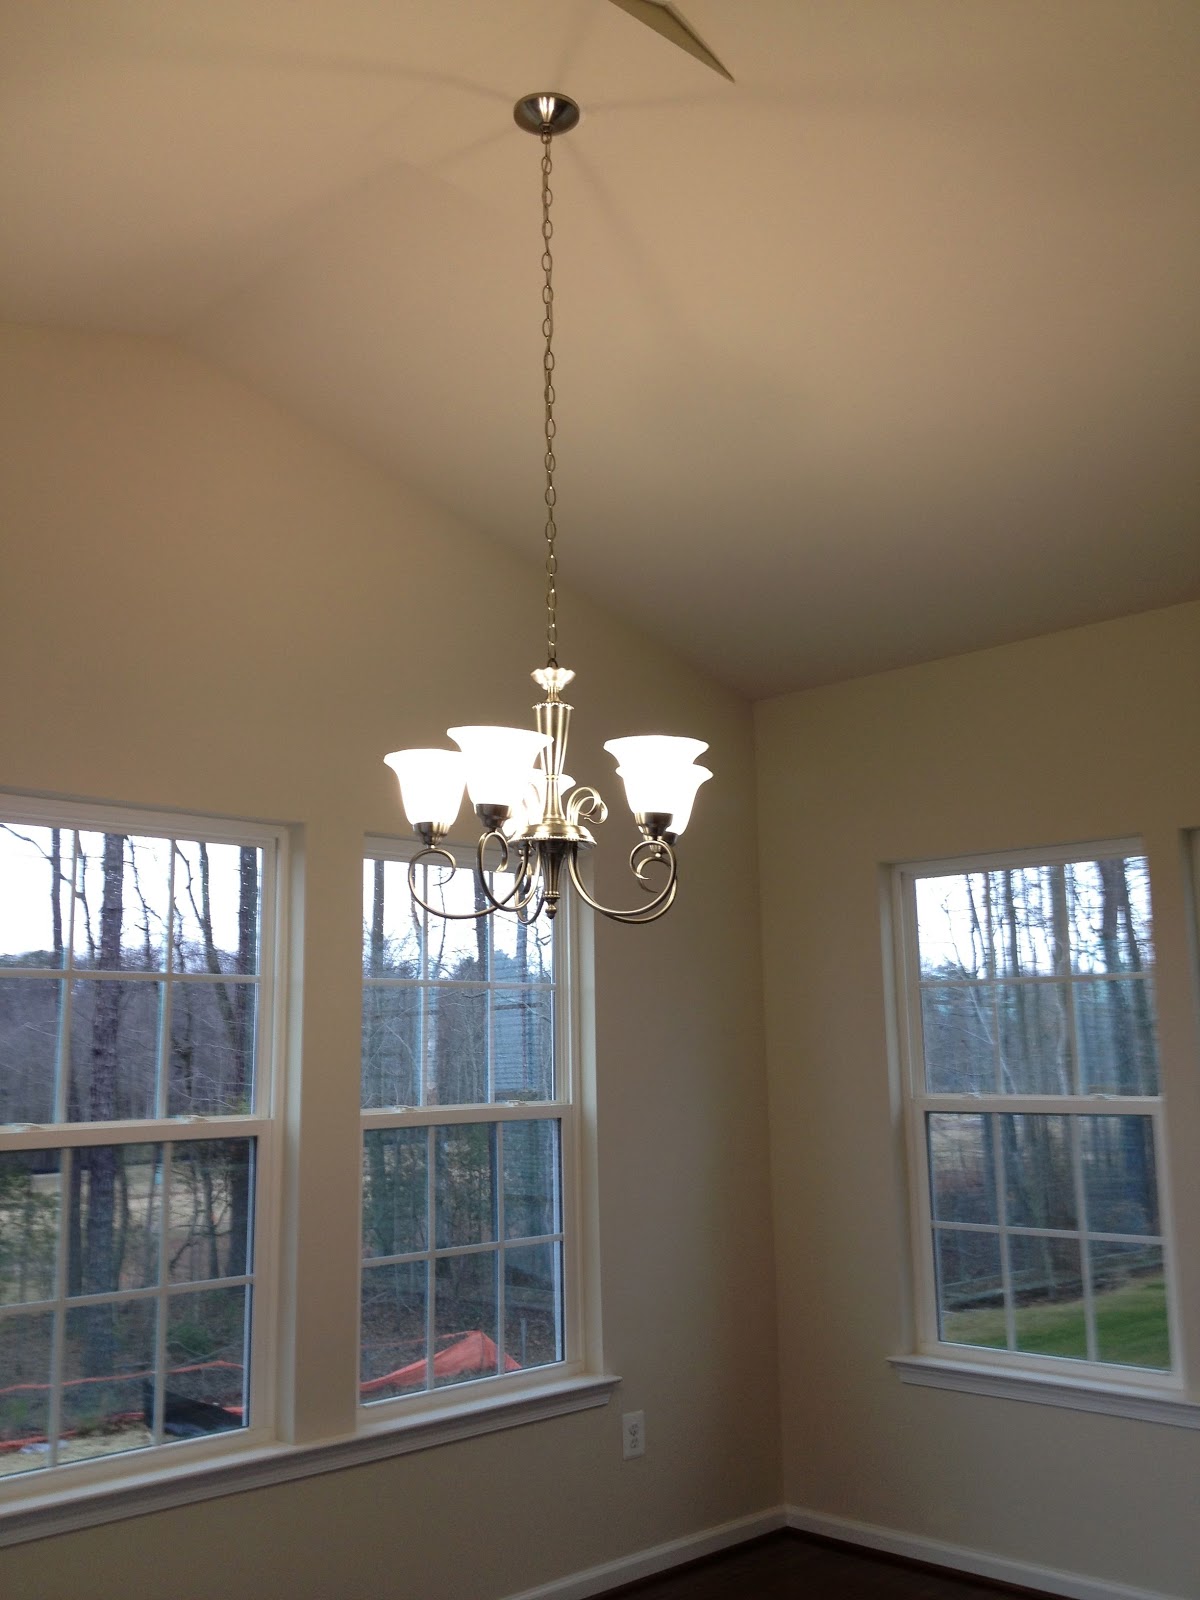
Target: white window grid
257,1125
561,1110
920,1105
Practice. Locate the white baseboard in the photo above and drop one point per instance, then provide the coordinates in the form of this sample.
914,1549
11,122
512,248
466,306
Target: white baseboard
645,1563
662,1557
1025,1574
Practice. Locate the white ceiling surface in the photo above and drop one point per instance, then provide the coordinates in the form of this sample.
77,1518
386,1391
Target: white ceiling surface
887,350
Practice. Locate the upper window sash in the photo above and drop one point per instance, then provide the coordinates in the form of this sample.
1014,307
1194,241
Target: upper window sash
456,1012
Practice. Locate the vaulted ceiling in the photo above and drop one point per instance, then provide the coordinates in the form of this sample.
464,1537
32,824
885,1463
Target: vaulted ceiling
886,349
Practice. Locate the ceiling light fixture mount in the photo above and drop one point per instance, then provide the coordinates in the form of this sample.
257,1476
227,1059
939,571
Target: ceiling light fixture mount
535,821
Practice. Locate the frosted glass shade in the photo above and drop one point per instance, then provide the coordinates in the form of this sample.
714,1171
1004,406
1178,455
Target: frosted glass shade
431,785
499,762
671,790
655,750
659,773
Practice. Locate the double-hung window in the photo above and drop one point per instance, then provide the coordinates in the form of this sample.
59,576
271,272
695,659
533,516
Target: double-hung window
468,1140
136,1152
1035,1110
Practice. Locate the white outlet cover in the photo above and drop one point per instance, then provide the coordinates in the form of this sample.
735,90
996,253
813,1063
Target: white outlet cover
633,1434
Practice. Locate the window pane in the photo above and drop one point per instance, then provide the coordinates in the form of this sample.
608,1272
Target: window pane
114,1050
1119,1179
1131,1305
970,1287
35,907
391,1046
394,1306
121,902
522,1044
1047,1285
114,1239
395,1191
108,1361
1111,926
1039,1177
457,1045
30,1009
25,1350
531,1179
465,1319
466,1184
1004,922
958,1024
520,954
1026,933
1114,1023
216,907
211,1071
30,1197
953,926
206,1389
211,1187
532,1298
457,950
962,1168
1035,1050
391,922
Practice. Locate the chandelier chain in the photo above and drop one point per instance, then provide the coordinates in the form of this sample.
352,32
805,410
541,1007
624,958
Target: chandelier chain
548,399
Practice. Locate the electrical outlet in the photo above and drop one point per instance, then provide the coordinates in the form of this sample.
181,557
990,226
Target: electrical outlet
633,1434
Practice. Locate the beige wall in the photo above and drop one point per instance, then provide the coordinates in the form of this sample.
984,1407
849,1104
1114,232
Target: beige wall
1082,735
206,605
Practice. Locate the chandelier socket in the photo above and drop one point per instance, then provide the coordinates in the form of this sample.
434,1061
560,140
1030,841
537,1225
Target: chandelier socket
493,817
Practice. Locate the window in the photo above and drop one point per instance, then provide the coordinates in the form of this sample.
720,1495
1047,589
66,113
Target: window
1035,1110
135,1146
468,1139
141,1140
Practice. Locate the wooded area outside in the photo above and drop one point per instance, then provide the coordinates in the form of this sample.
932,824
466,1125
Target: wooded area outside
1037,981
129,977
462,1222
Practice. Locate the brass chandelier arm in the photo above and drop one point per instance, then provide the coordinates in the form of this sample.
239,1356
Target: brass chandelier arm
509,902
527,876
640,857
585,805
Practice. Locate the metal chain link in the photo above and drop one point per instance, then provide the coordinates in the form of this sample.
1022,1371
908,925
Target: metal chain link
548,397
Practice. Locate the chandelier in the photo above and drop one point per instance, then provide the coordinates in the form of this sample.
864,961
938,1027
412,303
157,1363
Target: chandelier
535,820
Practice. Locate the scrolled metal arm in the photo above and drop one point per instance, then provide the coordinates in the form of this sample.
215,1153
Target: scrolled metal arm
585,805
643,854
522,893
526,878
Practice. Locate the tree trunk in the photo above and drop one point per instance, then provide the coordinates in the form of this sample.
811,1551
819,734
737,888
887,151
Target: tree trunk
1123,1024
101,1265
380,1206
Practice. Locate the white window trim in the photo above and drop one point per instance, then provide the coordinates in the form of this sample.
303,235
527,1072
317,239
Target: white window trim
65,1509
1049,1380
1144,1403
579,1361
24,1497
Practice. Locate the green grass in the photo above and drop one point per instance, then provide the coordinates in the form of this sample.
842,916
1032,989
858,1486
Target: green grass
1131,1327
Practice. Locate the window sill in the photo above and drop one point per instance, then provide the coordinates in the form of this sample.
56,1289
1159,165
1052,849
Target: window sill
1048,1389
63,1509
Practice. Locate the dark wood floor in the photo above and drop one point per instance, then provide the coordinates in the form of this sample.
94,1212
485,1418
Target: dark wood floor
787,1566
